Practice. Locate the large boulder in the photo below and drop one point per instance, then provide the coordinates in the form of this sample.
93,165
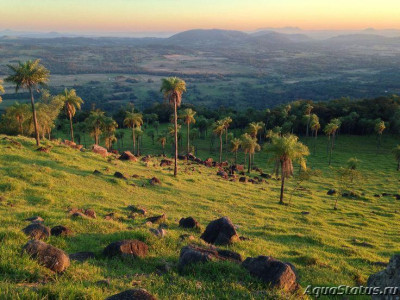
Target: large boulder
90,213
48,256
37,231
194,254
155,181
127,155
135,294
208,162
60,231
120,175
389,277
100,150
133,248
223,174
220,232
273,272
188,222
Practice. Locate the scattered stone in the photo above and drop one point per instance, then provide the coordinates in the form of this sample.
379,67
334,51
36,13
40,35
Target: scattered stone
331,192
220,232
78,214
90,213
273,272
133,248
188,222
243,238
389,277
160,232
44,149
377,196
120,175
82,256
35,219
265,175
49,256
165,163
386,194
243,179
104,282
139,294
97,172
223,174
100,150
60,231
397,196
109,216
194,254
135,176
146,158
155,181
157,219
186,237
305,212
37,231
139,210
127,155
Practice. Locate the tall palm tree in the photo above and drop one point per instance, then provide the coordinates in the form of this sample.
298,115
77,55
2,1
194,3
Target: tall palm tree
109,128
162,139
250,146
133,120
330,130
172,89
19,112
287,149
72,102
235,146
396,153
227,122
138,134
188,118
307,113
1,89
315,127
29,75
253,128
379,128
219,129
95,123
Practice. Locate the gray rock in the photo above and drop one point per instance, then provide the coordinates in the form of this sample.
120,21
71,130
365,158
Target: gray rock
389,277
37,231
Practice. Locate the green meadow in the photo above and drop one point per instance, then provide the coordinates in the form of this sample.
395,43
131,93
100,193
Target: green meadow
327,246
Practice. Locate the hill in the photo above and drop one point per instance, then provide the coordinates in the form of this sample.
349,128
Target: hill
327,247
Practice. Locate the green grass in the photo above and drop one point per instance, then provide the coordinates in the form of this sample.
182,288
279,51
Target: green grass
319,244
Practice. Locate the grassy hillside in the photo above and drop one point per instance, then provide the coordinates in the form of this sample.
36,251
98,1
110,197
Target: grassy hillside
328,247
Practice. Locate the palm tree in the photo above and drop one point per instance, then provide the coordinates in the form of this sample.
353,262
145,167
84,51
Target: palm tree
250,146
72,102
162,139
227,122
1,89
219,129
330,130
138,134
29,75
109,128
253,128
95,123
133,120
19,112
235,146
172,89
315,127
396,153
188,118
379,128
307,114
287,149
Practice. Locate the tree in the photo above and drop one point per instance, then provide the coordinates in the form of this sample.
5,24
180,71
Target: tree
250,146
109,128
172,89
379,128
162,139
287,149
151,134
396,153
72,102
1,89
315,127
307,116
138,134
18,112
219,129
330,130
29,75
235,146
253,128
133,120
227,122
95,123
188,118
347,177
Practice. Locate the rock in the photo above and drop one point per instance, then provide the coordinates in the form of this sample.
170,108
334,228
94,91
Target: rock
305,212
60,231
133,248
220,232
165,163
104,282
377,196
90,213
78,214
194,254
37,231
146,158
273,272
244,238
100,150
44,149
188,222
82,256
156,219
331,192
120,175
389,277
127,155
243,179
50,257
397,196
135,294
208,162
35,219
265,175
160,232
139,210
97,172
186,237
155,181
109,216
386,194
223,174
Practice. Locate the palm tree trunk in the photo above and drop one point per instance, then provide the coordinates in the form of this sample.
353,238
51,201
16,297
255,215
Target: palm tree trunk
220,148
138,146
163,149
35,123
249,166
282,184
71,128
235,158
176,138
133,139
398,165
188,140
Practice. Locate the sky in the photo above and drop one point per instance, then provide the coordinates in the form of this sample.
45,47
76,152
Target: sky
179,15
